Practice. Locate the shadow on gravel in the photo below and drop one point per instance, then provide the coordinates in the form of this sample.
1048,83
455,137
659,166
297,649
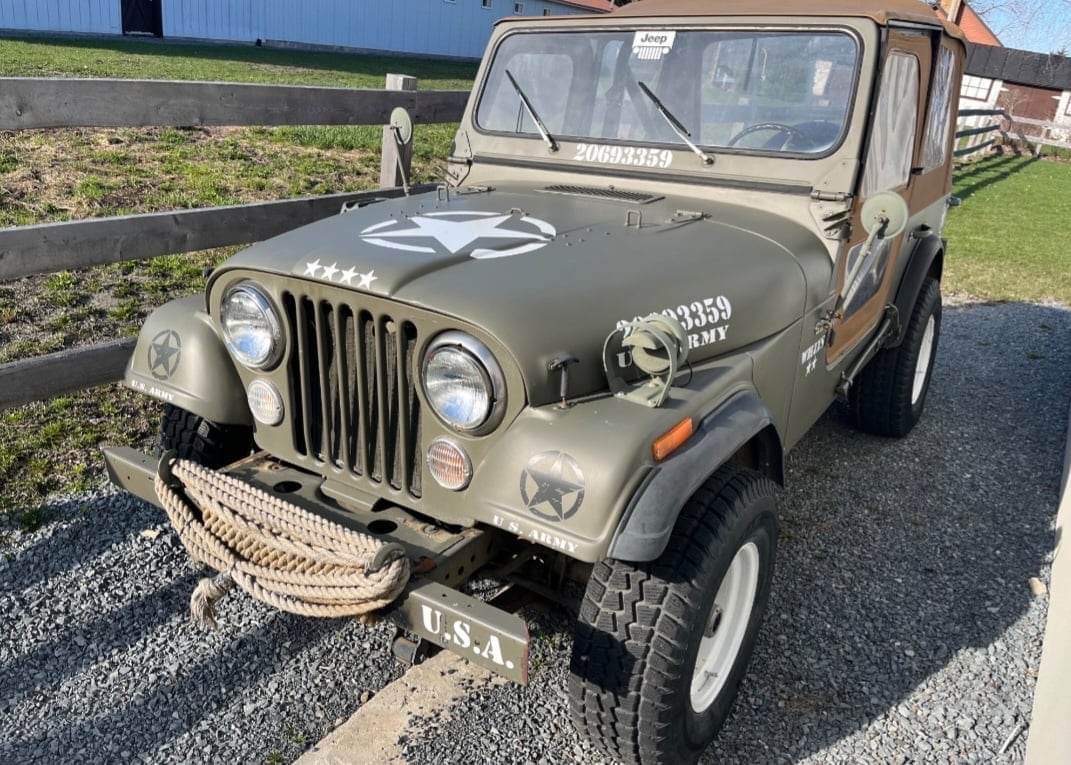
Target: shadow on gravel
100,663
63,654
901,625
200,681
78,540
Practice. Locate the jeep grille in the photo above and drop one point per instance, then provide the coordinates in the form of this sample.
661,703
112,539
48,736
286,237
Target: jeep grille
354,404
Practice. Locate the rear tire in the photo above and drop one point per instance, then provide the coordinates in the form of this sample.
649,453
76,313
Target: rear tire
206,443
889,395
644,628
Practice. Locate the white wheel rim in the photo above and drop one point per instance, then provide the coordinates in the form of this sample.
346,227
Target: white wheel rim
729,618
922,366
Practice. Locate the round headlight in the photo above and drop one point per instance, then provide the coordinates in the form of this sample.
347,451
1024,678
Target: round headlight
251,326
463,383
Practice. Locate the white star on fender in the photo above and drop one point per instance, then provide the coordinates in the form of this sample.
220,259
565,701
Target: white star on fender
366,280
457,231
346,277
312,268
330,271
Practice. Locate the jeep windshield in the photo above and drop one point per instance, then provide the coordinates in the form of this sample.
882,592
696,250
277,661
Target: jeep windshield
763,92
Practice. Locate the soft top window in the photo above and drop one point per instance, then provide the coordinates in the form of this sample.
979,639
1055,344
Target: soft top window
761,91
888,163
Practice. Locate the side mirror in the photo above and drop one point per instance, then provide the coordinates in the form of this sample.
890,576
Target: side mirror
402,124
885,215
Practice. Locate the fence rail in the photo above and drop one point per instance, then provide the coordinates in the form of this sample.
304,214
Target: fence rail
33,103
27,102
1010,126
49,247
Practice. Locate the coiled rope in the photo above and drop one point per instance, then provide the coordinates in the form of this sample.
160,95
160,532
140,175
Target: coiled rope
277,552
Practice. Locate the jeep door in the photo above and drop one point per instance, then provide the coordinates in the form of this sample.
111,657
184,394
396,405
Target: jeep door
892,164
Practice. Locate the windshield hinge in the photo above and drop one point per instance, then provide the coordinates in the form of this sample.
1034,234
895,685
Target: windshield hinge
830,196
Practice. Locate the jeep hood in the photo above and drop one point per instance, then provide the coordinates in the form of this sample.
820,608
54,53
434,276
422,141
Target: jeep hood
548,273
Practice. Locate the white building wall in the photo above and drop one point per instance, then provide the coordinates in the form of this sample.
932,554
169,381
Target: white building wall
1063,110
431,27
91,16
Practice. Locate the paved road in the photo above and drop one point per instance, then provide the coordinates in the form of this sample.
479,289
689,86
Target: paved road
900,624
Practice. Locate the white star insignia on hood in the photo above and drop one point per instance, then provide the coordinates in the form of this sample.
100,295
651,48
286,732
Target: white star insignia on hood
457,231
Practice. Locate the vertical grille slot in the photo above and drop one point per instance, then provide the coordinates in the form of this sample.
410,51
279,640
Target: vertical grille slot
353,398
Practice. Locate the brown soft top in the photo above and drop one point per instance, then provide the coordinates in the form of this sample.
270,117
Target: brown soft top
881,11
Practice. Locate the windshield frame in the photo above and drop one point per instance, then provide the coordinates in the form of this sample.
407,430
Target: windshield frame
792,28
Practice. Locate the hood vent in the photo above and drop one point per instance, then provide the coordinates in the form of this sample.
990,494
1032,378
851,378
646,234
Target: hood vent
608,192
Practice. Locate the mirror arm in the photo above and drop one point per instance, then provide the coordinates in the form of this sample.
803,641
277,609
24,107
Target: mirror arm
863,259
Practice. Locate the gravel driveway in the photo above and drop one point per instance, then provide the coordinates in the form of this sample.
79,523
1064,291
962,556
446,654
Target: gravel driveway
901,624
100,663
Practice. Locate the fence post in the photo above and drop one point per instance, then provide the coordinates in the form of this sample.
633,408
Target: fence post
389,176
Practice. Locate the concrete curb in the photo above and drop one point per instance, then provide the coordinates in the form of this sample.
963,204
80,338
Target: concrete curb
374,733
1048,742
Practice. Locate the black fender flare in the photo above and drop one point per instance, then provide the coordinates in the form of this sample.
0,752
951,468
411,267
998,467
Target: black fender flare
927,253
648,521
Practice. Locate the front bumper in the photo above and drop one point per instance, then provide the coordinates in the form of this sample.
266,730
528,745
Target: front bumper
442,560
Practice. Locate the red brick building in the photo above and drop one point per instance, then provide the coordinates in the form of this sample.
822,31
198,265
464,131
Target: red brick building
973,26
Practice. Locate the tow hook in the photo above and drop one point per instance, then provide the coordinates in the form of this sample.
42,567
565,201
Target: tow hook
409,651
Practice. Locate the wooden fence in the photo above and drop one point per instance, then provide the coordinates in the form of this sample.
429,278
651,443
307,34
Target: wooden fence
975,137
27,103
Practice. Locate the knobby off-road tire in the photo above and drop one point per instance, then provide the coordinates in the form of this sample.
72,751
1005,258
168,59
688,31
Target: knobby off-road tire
640,627
888,397
203,442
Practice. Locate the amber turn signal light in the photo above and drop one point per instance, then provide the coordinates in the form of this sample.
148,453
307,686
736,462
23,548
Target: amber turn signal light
672,439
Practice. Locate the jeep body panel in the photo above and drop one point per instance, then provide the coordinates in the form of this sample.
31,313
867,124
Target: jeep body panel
541,254
180,359
595,273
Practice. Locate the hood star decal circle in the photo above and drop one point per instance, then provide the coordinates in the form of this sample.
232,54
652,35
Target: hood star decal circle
456,232
552,486
164,354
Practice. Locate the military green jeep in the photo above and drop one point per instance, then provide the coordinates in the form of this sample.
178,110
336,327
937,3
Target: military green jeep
670,238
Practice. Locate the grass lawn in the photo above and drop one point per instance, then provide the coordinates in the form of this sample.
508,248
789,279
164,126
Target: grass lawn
51,447
1008,240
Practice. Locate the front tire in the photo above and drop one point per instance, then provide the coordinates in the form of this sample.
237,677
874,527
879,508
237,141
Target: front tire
661,647
889,395
199,440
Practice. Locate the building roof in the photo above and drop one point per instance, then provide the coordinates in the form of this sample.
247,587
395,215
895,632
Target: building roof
595,6
974,27
1023,67
881,11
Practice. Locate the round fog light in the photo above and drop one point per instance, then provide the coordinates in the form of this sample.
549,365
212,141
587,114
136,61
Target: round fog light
449,464
265,402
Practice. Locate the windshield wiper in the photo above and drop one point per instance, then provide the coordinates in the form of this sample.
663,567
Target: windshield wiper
547,137
673,122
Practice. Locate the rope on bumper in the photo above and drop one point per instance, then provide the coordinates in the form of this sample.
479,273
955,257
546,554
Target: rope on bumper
277,552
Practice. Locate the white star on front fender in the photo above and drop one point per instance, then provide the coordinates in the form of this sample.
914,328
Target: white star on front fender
312,268
366,280
346,277
330,271
456,235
